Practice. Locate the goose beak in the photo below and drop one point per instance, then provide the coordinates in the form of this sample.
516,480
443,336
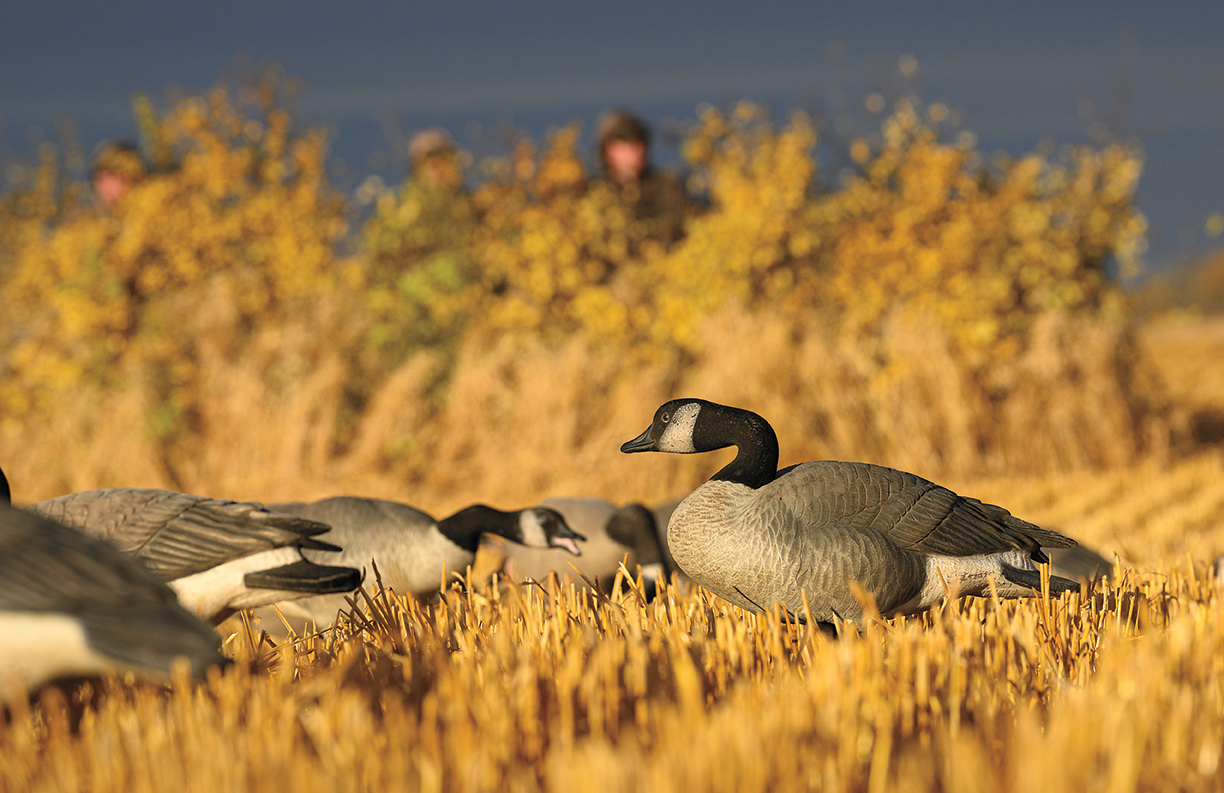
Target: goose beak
568,544
642,443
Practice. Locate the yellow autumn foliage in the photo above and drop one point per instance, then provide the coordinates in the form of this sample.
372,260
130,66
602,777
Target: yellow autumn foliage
245,212
924,273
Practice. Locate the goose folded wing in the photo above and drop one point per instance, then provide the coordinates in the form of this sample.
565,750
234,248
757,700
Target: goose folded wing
930,519
176,534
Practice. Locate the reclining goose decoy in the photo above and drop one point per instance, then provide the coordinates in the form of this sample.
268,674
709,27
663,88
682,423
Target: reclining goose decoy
72,605
755,535
611,533
219,556
412,549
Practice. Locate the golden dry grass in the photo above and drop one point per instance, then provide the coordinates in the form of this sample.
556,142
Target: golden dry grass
547,689
503,688
517,419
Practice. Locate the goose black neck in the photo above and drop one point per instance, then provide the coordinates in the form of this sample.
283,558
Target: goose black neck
465,526
756,462
6,495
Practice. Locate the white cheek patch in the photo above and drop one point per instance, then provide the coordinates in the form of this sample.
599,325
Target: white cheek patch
678,436
531,530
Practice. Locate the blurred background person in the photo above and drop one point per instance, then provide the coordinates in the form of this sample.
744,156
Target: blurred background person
431,213
420,243
655,199
117,165
435,161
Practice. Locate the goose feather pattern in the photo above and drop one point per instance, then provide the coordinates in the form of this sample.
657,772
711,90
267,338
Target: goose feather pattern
218,555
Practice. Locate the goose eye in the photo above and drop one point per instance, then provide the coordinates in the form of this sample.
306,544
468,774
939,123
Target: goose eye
666,417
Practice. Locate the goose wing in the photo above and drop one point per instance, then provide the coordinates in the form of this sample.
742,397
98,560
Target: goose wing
176,534
916,514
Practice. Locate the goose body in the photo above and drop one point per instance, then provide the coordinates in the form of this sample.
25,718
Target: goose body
72,605
1076,563
758,536
413,550
219,556
612,534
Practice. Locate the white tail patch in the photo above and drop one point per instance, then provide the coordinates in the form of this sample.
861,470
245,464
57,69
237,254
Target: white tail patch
210,591
652,572
951,577
40,646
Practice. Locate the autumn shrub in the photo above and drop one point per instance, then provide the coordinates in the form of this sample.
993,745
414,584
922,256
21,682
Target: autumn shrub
929,310
535,248
235,229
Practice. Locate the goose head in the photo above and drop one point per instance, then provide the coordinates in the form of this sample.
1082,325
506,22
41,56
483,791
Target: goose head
540,527
685,426
674,429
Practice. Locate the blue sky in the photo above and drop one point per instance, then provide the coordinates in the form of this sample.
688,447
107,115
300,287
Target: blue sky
372,70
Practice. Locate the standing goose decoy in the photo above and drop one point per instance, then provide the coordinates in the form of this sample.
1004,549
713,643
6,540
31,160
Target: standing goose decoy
72,605
755,535
219,556
412,549
611,534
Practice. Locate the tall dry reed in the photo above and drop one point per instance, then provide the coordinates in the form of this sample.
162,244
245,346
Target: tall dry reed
512,419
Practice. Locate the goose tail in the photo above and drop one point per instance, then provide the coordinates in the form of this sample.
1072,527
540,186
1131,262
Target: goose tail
1032,580
305,576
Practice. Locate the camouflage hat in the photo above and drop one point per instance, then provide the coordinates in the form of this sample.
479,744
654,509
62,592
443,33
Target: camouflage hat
622,125
121,157
431,140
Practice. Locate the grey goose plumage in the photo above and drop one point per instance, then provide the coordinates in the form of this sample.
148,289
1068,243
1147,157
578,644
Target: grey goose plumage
72,605
413,550
219,556
755,535
1076,563
612,534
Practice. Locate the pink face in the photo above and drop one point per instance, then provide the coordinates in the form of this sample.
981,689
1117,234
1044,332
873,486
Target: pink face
626,159
110,186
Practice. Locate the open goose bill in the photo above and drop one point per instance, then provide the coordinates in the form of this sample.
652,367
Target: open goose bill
567,544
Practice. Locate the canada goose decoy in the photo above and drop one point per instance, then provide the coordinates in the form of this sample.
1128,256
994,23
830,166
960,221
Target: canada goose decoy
611,534
755,535
72,605
1077,563
219,556
412,549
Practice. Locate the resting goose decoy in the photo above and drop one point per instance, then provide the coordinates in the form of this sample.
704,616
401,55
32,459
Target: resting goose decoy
755,535
72,605
412,549
611,534
219,556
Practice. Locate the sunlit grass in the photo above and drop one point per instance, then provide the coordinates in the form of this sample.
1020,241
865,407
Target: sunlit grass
548,687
